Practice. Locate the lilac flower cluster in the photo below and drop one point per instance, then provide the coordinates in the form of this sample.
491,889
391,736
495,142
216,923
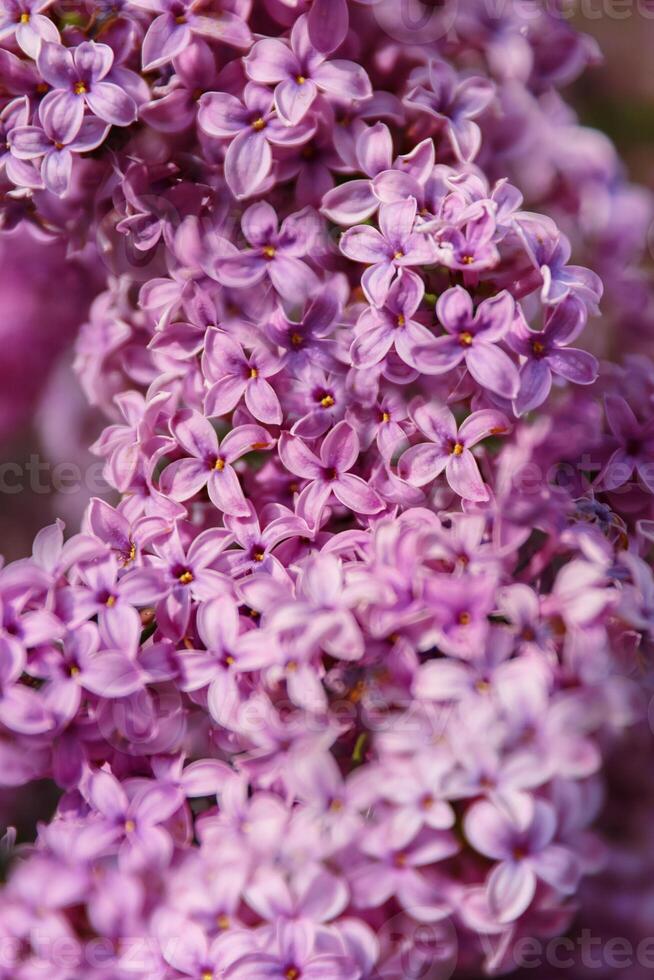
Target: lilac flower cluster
343,661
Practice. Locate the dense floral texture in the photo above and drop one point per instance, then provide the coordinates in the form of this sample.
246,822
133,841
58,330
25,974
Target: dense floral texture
327,690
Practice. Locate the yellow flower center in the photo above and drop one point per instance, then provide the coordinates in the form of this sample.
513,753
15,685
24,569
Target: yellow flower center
300,79
223,922
537,347
269,252
401,320
327,401
297,339
259,555
465,338
186,577
464,619
130,826
111,601
25,18
399,254
457,448
80,88
385,417
219,465
259,124
292,973
467,259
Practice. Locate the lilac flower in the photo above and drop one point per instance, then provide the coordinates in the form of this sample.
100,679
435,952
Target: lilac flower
299,71
195,74
54,142
473,339
470,244
438,92
15,115
134,824
396,245
389,180
25,20
546,352
328,474
210,463
276,253
305,341
187,950
295,952
392,865
180,20
252,127
523,856
449,449
635,446
393,326
233,375
258,543
549,252
79,77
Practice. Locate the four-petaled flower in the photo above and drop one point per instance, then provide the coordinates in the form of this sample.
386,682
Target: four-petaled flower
449,449
328,474
210,462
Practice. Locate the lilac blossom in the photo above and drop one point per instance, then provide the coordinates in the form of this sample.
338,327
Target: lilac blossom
328,474
473,337
299,71
27,22
635,446
396,245
454,103
252,128
523,855
276,253
449,449
79,78
546,353
179,21
210,463
54,142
